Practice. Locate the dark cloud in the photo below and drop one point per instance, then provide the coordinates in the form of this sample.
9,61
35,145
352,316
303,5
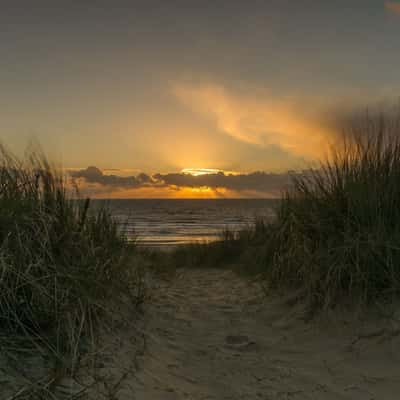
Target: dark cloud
144,178
95,175
257,181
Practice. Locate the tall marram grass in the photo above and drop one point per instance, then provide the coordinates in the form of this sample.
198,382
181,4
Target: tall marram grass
337,232
243,248
61,265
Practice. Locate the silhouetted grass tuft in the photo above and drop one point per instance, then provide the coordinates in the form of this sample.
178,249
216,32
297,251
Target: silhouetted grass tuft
62,265
244,248
337,234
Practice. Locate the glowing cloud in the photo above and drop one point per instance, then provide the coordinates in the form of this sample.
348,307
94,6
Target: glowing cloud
393,6
199,171
205,171
189,183
260,120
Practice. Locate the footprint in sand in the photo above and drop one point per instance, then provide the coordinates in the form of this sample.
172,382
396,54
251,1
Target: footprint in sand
241,343
237,339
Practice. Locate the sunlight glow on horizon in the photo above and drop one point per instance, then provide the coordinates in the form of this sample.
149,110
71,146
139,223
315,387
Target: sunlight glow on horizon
200,171
212,94
206,171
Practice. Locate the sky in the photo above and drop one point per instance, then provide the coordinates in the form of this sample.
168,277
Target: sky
191,98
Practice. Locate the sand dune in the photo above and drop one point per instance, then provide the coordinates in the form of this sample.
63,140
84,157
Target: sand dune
211,334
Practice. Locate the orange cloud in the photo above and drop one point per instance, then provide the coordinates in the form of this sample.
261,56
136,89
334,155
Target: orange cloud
260,120
215,184
393,6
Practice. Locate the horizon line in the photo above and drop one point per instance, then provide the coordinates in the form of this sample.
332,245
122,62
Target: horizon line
184,198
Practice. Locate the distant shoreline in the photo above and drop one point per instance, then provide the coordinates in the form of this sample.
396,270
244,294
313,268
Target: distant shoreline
189,199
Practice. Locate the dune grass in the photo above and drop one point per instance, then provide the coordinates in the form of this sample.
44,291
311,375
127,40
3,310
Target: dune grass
336,234
63,266
244,248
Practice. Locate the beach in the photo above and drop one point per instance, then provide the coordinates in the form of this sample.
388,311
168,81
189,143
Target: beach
200,200
211,334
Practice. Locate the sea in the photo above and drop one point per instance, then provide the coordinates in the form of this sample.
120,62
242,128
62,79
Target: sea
167,223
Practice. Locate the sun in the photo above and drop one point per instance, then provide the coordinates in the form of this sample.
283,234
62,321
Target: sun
200,171
207,171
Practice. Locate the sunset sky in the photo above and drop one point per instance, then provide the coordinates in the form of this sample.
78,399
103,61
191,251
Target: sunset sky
191,98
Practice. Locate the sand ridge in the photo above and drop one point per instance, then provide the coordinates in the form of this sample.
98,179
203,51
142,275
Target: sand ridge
211,334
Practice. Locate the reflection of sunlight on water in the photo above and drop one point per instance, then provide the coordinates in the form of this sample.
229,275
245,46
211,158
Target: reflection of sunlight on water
166,223
162,241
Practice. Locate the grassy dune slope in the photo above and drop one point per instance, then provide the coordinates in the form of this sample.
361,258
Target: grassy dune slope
336,235
63,266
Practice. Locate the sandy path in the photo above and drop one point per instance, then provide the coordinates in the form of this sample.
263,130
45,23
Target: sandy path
213,335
